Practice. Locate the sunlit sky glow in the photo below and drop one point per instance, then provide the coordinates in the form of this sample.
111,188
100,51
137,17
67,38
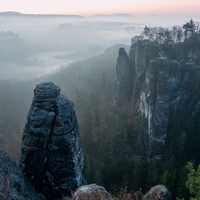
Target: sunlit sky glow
90,7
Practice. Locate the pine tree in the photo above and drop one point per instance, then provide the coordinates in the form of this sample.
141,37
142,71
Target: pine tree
146,32
98,177
189,29
193,181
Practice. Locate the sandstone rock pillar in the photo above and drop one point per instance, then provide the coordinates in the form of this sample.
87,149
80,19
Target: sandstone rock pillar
51,153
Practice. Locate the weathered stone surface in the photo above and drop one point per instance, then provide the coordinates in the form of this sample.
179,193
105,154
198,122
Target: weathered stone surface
123,84
163,88
167,92
91,192
155,103
13,184
51,153
158,192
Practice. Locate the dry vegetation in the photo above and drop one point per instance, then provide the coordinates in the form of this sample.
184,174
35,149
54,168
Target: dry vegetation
99,195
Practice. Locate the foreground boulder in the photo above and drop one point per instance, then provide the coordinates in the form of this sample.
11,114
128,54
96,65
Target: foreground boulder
13,184
91,192
51,153
158,192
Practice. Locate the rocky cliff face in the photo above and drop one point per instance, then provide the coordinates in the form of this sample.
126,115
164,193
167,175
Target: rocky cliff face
163,86
51,153
13,184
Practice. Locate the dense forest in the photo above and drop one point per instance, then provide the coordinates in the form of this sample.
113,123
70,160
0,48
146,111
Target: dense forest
112,140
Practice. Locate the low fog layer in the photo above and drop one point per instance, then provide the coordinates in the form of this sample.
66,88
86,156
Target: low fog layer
32,45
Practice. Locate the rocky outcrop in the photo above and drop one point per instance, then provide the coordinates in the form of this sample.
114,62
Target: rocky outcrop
158,192
13,184
51,153
167,93
123,81
154,103
163,87
91,192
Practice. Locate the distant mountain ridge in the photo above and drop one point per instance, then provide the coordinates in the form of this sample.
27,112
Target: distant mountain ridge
113,15
18,14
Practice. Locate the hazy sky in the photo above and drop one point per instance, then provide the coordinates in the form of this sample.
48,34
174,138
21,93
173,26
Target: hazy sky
89,7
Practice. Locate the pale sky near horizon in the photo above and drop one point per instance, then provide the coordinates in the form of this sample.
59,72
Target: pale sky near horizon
90,7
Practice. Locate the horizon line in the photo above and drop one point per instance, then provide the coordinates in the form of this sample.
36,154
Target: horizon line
96,14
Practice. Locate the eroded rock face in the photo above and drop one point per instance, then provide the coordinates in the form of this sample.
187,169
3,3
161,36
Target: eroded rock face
166,93
123,84
91,192
158,192
155,103
13,184
163,87
51,153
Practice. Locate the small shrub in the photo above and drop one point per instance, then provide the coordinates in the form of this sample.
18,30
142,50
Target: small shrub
96,194
124,195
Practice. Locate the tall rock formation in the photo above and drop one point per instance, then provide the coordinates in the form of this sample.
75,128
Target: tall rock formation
164,87
51,153
123,82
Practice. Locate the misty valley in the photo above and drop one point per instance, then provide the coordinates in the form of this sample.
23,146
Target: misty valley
129,85
31,46
34,45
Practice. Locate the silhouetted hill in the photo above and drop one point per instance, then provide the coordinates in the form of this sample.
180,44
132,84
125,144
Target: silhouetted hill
17,14
13,48
113,15
10,13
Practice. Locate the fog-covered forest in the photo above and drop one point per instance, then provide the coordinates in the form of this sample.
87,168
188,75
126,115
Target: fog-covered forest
79,55
34,45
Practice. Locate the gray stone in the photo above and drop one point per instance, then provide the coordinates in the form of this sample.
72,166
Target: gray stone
155,103
51,153
123,81
158,192
167,92
91,192
13,184
162,87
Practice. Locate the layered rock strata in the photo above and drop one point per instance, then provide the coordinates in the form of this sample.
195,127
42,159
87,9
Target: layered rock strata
51,153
